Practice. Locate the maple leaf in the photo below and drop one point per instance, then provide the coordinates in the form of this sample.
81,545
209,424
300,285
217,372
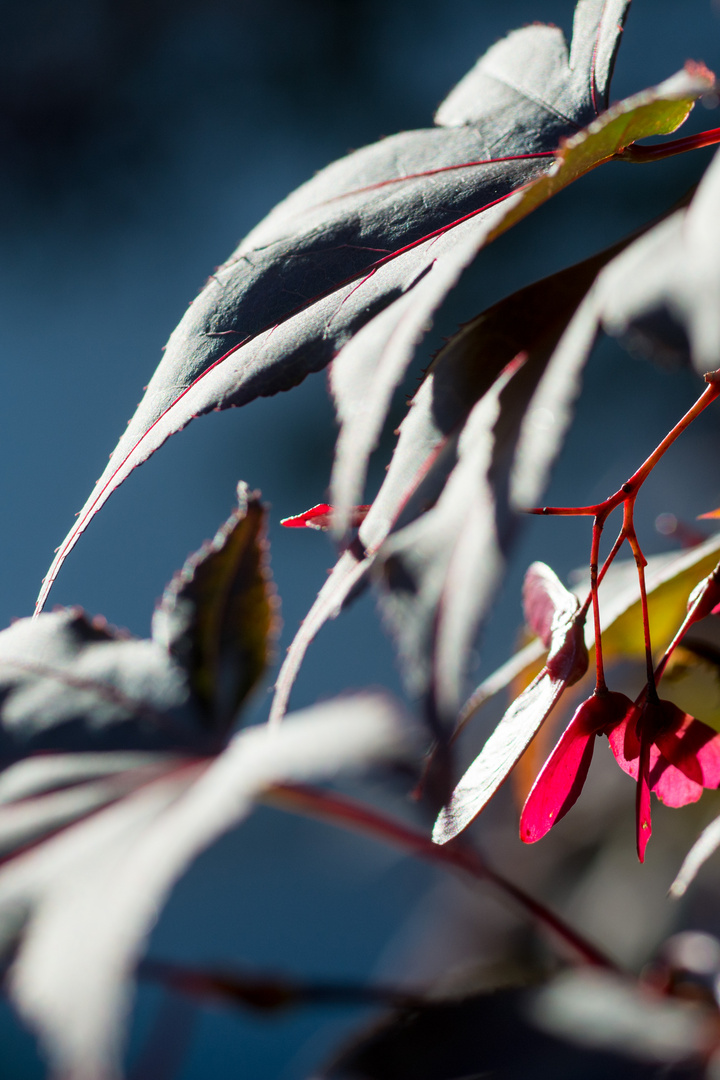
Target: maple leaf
668,752
661,747
117,769
561,778
554,614
93,848
367,370
70,682
364,253
505,450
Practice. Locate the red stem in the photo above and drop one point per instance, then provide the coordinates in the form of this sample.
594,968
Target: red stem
641,154
632,486
600,685
641,563
347,813
271,992
626,496
615,548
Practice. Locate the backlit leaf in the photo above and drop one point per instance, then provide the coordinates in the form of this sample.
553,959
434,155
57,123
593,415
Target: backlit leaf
403,217
566,662
561,779
369,368
659,110
669,580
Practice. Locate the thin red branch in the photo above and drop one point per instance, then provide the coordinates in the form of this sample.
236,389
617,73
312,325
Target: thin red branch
625,496
347,813
641,563
600,685
642,154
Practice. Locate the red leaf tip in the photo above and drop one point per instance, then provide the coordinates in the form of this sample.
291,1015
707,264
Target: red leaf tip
317,517
320,517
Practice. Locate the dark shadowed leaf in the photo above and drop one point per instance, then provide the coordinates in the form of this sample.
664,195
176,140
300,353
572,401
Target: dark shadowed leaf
515,1035
71,683
463,371
217,616
487,468
86,897
566,662
91,718
390,226
441,572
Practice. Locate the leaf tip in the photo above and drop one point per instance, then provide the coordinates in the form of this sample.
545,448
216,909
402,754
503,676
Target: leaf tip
321,517
677,889
317,517
446,827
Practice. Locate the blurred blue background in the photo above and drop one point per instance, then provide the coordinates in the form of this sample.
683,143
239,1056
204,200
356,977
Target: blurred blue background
139,140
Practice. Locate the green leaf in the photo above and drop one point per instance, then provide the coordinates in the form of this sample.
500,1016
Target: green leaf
659,110
669,579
